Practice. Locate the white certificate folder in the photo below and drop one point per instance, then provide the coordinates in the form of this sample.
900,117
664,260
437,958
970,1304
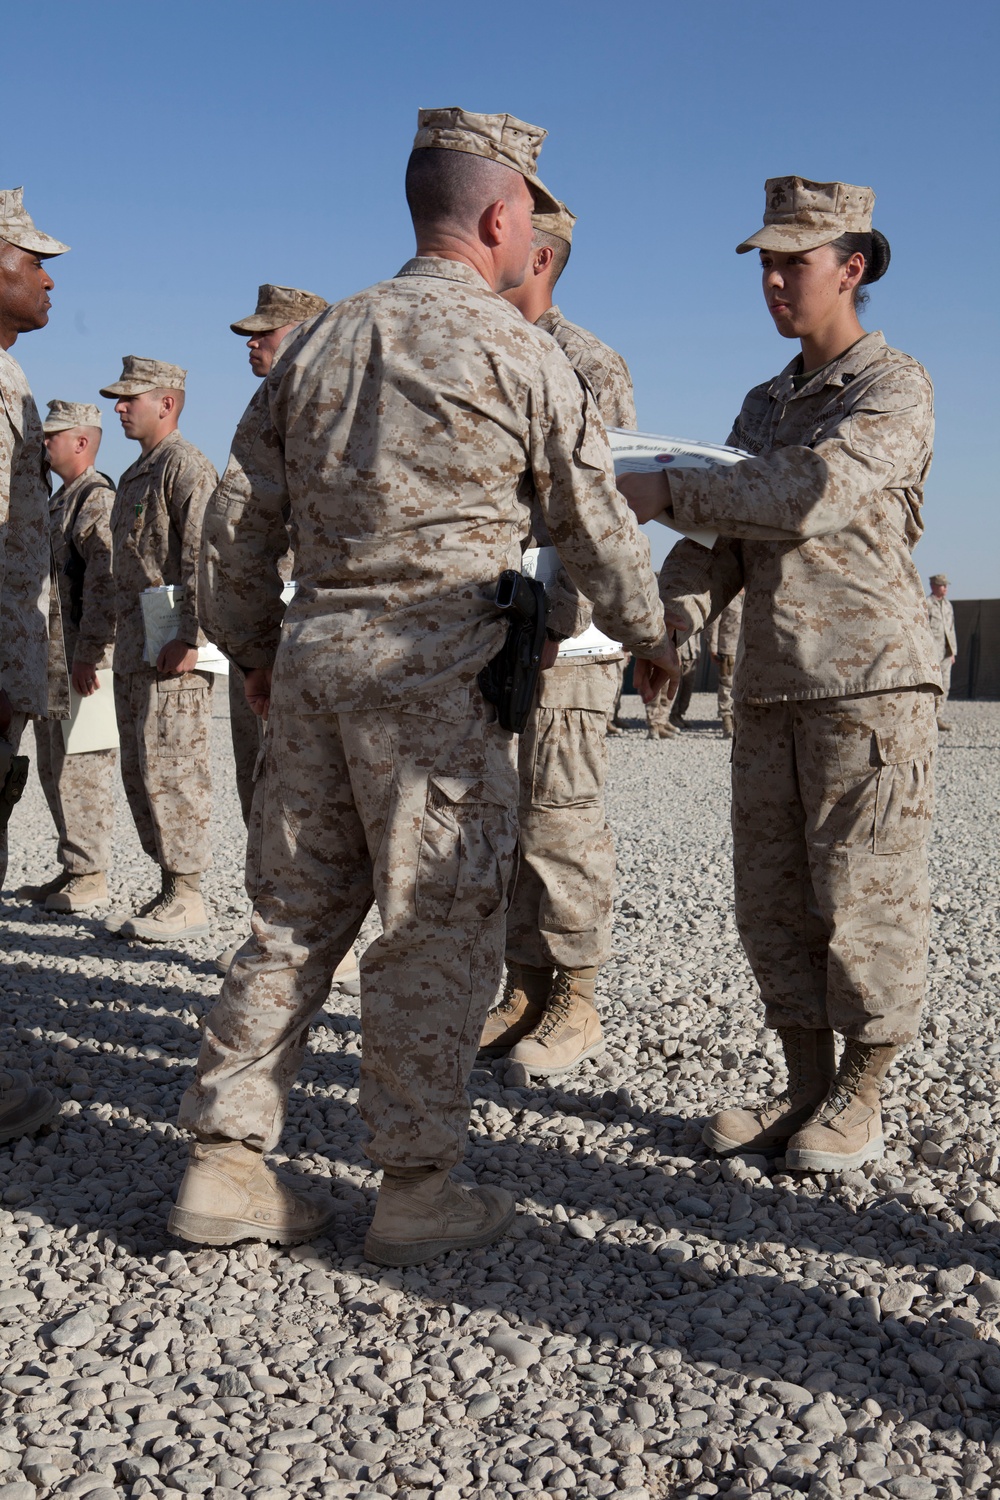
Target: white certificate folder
92,724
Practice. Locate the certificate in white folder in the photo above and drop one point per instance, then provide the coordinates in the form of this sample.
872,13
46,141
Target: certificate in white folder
92,724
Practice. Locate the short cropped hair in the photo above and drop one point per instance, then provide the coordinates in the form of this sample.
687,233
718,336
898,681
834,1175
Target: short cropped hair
560,252
454,187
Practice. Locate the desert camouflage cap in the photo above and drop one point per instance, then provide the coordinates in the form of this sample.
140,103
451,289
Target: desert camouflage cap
139,374
941,579
18,228
278,305
559,224
800,215
502,138
66,414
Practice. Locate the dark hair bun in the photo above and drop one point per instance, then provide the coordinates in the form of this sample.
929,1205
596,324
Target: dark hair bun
880,257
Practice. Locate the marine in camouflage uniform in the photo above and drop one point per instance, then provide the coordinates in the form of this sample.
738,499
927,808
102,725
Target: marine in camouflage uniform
723,639
836,678
25,565
941,618
279,311
164,716
409,431
559,922
79,788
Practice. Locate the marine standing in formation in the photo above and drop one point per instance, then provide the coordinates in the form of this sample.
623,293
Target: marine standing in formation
25,565
164,707
279,311
836,677
410,430
559,922
941,618
79,788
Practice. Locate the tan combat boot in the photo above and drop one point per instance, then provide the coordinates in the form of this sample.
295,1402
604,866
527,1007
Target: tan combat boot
570,1030
418,1218
38,895
80,893
178,911
846,1129
25,1106
229,1193
727,726
525,995
809,1058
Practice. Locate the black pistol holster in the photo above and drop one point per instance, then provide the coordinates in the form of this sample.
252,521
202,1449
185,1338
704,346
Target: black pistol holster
510,679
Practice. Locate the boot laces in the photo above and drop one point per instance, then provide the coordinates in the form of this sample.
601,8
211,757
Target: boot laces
853,1066
160,903
558,1008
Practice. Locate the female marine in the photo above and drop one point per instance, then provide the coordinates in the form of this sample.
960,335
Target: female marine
835,677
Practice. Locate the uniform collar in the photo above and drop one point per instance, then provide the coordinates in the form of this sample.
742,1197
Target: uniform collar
145,460
443,270
69,490
839,372
550,318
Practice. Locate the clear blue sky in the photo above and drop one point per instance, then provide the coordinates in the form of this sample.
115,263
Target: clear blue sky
188,152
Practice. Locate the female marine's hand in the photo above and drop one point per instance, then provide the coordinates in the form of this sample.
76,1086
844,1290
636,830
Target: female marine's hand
648,495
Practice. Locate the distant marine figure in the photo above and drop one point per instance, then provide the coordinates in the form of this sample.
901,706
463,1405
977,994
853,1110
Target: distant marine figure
941,617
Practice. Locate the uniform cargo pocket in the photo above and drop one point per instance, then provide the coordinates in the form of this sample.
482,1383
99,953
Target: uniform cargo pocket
182,715
904,789
466,857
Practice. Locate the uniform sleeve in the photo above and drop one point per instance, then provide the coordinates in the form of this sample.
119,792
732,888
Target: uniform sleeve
188,495
244,537
617,398
696,583
712,639
92,539
6,469
594,532
881,441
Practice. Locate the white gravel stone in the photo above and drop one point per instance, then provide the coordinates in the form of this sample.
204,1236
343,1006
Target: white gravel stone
685,1325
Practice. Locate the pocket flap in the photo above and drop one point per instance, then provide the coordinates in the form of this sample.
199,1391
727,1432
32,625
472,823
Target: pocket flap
903,746
469,789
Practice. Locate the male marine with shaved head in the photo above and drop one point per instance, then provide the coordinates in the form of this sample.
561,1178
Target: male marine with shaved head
25,559
409,431
559,923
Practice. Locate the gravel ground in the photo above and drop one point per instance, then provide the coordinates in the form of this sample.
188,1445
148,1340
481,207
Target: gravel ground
658,1324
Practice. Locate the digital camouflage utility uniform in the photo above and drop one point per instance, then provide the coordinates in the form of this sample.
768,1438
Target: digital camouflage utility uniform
410,429
80,788
26,600
836,677
941,618
560,913
163,722
723,639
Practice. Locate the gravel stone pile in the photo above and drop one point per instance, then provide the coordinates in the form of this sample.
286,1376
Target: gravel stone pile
658,1324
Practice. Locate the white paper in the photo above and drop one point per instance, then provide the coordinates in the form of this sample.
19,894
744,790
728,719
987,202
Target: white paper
645,453
161,608
93,723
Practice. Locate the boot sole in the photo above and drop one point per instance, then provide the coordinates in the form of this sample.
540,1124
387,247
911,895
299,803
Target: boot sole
723,1146
67,911
206,1229
31,1127
393,1253
598,1050
127,930
799,1160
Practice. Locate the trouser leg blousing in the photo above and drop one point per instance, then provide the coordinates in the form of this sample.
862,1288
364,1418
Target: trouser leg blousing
809,1059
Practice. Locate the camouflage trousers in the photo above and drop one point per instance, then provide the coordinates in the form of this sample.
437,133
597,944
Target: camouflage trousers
163,730
727,665
658,710
80,792
12,739
946,666
247,731
560,912
832,807
412,810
